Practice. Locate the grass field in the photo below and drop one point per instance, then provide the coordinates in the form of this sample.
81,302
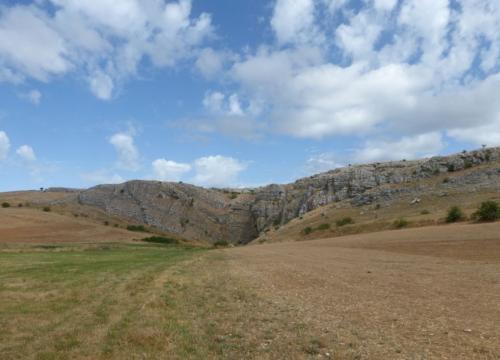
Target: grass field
421,293
136,302
104,301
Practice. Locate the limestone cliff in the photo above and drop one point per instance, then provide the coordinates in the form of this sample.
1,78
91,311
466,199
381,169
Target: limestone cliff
240,216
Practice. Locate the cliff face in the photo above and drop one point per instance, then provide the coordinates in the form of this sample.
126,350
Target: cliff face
239,217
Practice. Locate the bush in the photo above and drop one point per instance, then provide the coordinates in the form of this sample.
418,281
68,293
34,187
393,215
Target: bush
454,214
106,223
323,227
137,228
233,195
221,243
5,205
161,240
307,230
425,212
400,223
344,221
46,209
488,211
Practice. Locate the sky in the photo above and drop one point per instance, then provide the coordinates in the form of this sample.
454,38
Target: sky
224,93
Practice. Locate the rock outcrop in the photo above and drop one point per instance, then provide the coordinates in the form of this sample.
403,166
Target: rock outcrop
239,216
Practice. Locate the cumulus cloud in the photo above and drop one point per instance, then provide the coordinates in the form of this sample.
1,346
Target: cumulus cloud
105,40
409,68
4,145
210,62
414,147
293,21
26,153
128,155
217,171
168,170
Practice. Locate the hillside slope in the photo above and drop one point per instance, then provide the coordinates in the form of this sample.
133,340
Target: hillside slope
240,216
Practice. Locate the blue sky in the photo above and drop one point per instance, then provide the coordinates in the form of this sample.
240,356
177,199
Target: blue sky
239,93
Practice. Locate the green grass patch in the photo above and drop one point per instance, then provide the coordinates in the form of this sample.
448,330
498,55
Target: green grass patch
400,223
136,228
344,221
161,240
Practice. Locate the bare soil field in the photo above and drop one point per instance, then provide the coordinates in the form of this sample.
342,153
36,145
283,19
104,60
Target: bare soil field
33,226
427,293
420,293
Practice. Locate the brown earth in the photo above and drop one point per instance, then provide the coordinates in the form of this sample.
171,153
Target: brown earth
33,226
427,293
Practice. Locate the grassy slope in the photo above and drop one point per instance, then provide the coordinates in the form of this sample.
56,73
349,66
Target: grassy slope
431,210
135,302
100,302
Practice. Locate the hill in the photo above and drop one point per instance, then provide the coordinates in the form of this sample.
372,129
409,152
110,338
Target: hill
374,195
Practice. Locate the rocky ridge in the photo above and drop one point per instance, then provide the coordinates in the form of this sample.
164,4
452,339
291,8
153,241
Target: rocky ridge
241,216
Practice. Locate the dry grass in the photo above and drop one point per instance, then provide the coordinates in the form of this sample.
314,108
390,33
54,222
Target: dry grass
28,226
429,293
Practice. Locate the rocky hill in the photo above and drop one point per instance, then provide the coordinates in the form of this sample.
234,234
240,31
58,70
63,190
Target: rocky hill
239,216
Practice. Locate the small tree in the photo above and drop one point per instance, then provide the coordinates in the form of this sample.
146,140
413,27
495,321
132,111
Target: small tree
400,223
324,227
307,230
344,221
5,205
454,214
488,211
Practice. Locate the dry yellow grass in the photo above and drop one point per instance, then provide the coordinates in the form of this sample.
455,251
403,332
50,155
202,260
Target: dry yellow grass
29,226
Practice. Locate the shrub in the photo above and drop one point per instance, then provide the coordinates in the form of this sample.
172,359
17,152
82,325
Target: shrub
425,212
106,223
344,221
400,223
307,230
446,180
323,227
233,195
454,214
488,211
46,209
161,240
5,205
20,205
451,167
137,228
221,243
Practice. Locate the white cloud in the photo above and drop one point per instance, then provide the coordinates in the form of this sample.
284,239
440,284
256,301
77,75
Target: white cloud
210,62
322,162
167,170
214,101
33,96
102,177
105,40
29,45
217,171
4,145
128,155
419,146
408,68
26,153
387,5
101,85
293,21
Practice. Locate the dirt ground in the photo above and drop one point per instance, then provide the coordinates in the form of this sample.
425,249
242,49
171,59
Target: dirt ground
33,226
427,293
